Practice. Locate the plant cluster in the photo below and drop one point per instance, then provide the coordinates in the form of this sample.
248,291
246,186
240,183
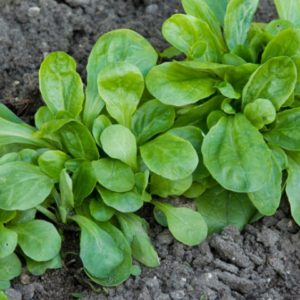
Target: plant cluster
220,127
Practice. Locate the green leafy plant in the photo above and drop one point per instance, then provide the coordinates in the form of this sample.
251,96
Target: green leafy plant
220,126
89,160
239,84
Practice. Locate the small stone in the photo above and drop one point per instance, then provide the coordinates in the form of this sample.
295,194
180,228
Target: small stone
165,238
13,294
163,297
153,284
180,294
78,2
33,11
152,9
25,279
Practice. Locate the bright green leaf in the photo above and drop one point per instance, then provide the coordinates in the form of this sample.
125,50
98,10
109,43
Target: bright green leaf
170,156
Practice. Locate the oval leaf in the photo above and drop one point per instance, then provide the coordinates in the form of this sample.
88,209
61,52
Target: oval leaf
119,142
236,155
170,156
178,85
121,86
114,175
221,208
8,241
60,84
122,45
275,80
185,224
39,240
20,177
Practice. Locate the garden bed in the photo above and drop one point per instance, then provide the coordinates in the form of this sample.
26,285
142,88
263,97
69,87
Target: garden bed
260,263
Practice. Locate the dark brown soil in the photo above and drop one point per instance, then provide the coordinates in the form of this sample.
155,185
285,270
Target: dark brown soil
261,263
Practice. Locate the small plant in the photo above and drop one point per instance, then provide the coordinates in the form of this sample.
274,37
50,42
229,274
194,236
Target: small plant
239,84
89,161
220,126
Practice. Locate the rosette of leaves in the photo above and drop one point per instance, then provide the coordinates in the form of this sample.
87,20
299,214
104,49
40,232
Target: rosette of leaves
239,84
96,155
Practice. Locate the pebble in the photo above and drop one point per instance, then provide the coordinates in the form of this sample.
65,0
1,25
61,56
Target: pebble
177,295
77,2
13,294
152,9
33,11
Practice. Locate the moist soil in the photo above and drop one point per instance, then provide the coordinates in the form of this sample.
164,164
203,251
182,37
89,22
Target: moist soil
262,262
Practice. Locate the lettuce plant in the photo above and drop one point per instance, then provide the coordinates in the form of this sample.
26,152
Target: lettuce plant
238,83
95,156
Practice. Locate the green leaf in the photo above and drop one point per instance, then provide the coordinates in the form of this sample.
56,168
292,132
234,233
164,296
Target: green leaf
66,202
8,241
78,141
190,133
221,208
201,10
193,37
84,182
285,43
238,18
185,224
38,239
52,162
100,211
124,202
286,132
267,199
236,155
114,175
100,123
38,268
274,80
276,26
260,112
170,156
141,184
122,271
17,133
6,216
135,230
219,8
60,84
214,117
197,113
121,86
2,294
279,156
150,119
10,267
178,85
117,46
7,114
43,116
29,185
227,90
164,187
292,185
289,10
119,142
99,252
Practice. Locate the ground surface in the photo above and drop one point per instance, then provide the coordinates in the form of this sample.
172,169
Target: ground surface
261,263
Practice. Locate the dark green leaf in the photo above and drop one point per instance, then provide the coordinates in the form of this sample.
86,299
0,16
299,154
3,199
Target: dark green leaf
29,185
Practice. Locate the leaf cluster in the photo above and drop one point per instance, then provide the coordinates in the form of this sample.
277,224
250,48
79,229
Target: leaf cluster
220,127
96,155
238,83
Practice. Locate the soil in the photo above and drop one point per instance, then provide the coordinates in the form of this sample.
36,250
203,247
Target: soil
260,263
